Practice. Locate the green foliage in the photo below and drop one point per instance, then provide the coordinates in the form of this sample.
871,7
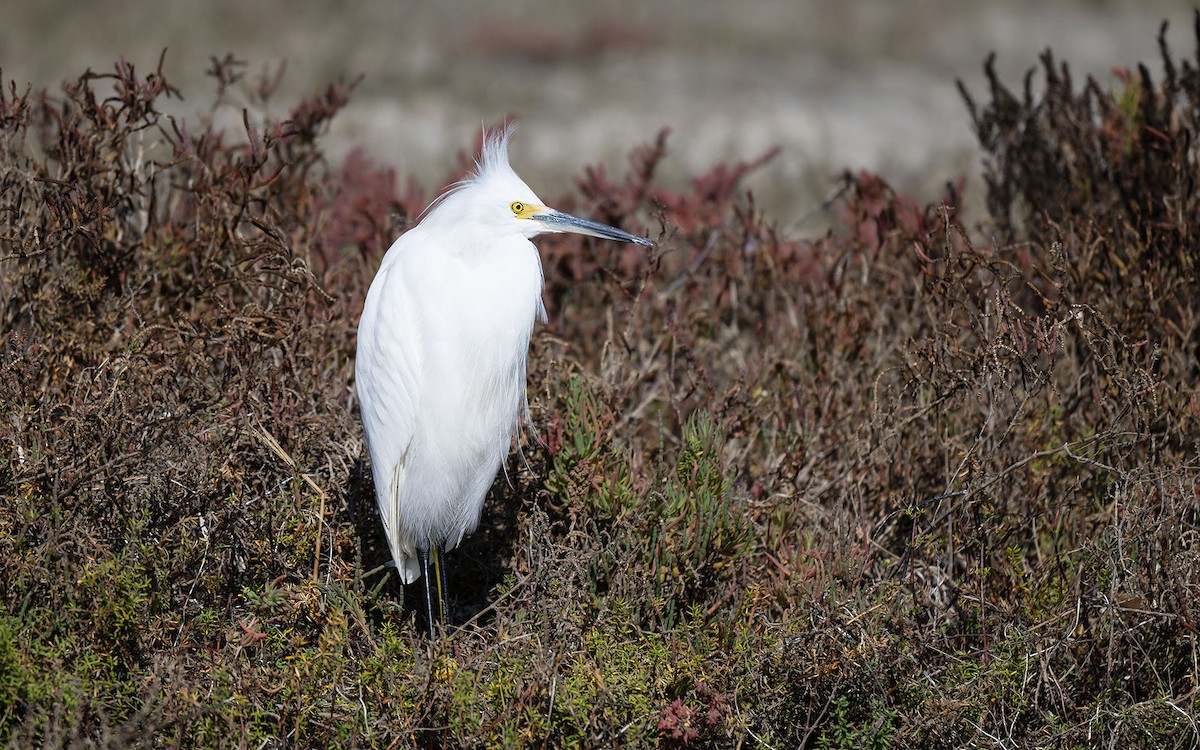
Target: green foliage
12,681
846,733
695,527
587,468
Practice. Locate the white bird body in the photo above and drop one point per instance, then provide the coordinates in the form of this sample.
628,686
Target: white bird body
442,346
435,450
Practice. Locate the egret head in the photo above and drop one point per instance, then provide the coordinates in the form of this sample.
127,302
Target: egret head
501,202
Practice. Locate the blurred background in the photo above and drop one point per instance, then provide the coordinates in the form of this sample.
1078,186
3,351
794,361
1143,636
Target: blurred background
852,84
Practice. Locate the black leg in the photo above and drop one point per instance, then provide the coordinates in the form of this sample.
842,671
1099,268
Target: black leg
443,593
423,558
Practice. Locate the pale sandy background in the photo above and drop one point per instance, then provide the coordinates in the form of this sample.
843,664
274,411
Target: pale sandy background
857,83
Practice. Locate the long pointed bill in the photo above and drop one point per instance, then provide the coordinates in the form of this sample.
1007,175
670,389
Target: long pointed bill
557,221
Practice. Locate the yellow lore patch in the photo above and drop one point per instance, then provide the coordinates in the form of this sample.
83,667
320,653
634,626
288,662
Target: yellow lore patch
524,210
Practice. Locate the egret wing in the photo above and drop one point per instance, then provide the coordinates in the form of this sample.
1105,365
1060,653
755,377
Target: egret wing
387,374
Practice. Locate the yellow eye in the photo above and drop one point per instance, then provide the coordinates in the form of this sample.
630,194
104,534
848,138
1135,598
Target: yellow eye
518,208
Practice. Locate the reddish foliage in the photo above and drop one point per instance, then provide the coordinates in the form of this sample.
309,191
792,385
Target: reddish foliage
681,724
357,209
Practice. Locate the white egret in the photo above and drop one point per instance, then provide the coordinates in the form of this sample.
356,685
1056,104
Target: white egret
440,367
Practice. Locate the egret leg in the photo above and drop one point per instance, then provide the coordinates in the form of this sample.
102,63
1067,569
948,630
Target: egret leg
443,593
436,600
423,559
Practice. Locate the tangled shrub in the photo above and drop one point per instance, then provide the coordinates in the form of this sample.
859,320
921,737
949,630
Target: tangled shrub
891,486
